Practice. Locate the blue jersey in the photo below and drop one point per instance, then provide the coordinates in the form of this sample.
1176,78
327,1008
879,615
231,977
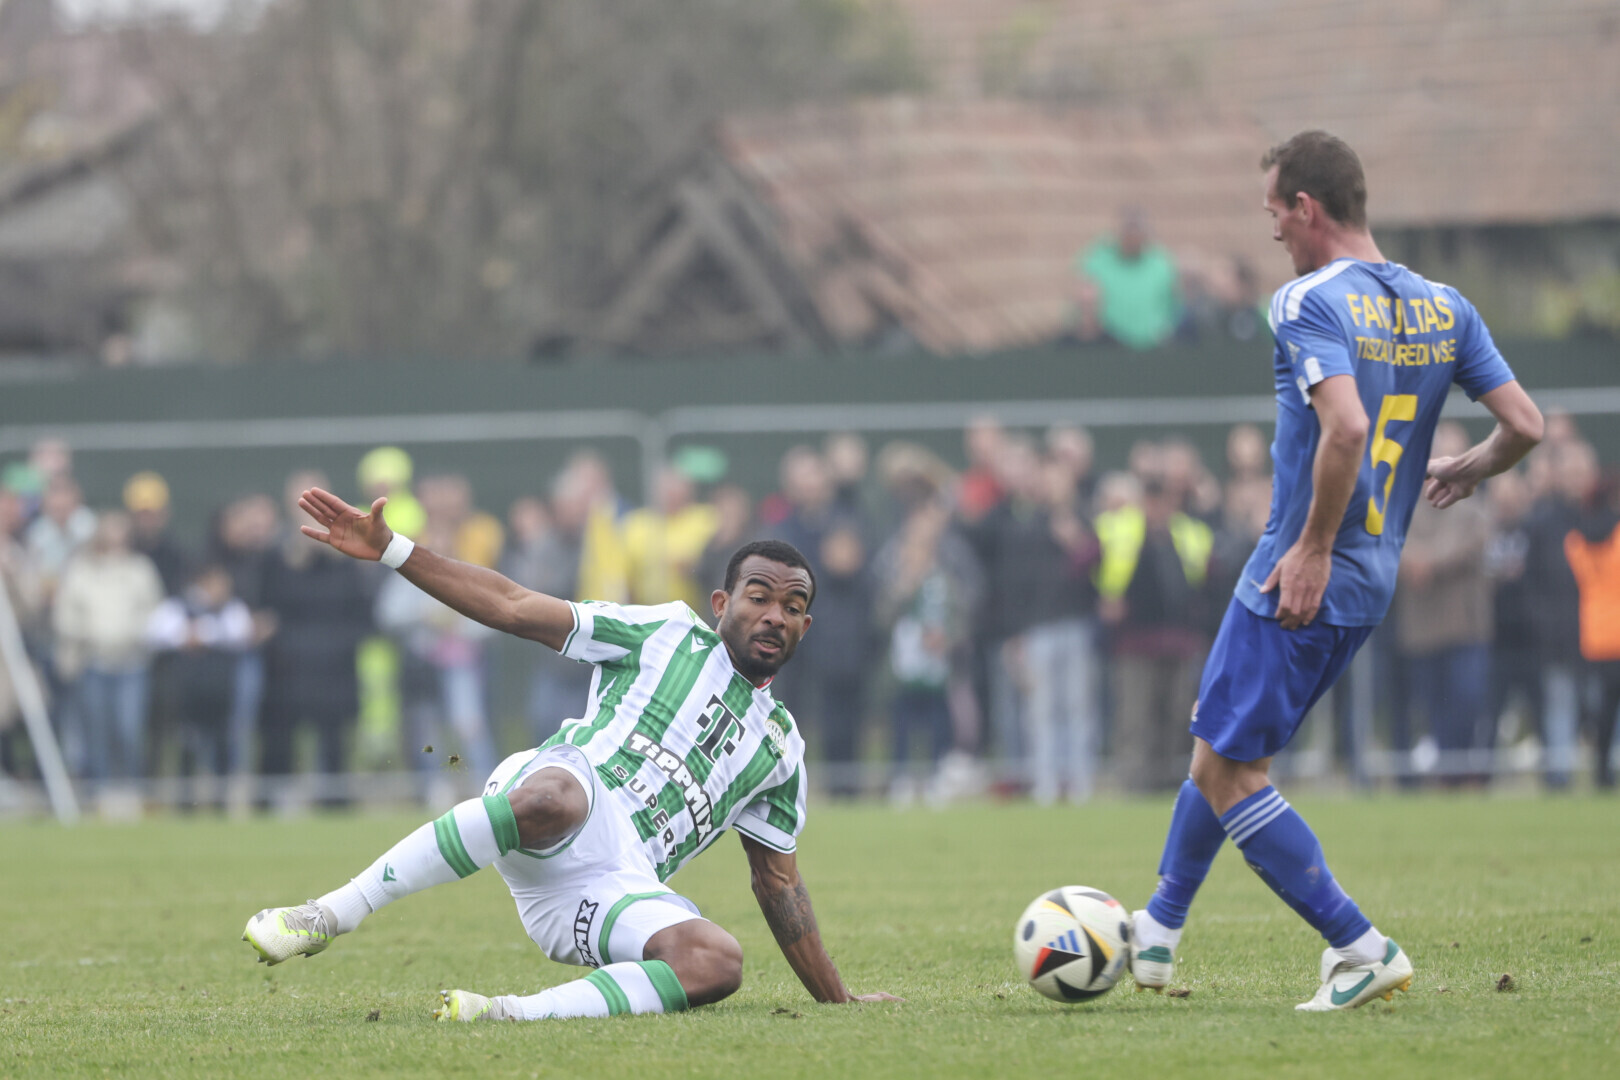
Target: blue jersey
1405,340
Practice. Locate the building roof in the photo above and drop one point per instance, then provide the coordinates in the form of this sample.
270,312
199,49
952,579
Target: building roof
961,221
1499,113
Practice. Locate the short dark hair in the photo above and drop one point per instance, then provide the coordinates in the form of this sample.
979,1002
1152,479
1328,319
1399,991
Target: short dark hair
778,551
1324,167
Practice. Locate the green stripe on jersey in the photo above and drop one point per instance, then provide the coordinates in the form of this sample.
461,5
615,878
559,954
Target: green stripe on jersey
784,803
680,675
626,635
451,847
618,1002
623,674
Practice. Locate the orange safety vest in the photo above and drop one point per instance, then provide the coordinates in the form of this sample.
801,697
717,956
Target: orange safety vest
1597,572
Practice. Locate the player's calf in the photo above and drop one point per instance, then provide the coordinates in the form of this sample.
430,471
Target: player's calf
705,958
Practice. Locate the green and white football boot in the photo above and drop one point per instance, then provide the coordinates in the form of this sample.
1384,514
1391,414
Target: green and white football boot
1348,986
466,1005
282,933
1151,967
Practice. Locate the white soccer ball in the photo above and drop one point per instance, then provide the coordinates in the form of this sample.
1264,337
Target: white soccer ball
1071,943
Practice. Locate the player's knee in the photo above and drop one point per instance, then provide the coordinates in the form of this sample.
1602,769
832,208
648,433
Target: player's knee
706,959
549,807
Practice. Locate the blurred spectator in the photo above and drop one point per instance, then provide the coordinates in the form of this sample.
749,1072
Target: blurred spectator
979,490
1128,288
1445,619
64,522
1514,664
1071,446
473,535
841,659
734,527
1011,542
1057,658
807,493
146,497
206,629
322,606
387,471
848,461
1247,455
1193,488
51,457
543,554
1155,560
924,602
107,594
1565,677
604,566
441,669
1594,558
664,543
243,544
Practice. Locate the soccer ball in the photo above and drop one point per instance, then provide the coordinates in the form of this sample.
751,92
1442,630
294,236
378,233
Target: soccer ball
1070,943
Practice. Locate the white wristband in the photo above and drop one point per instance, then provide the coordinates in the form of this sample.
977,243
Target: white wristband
398,550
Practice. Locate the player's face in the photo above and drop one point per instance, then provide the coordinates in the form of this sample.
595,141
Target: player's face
1287,224
764,616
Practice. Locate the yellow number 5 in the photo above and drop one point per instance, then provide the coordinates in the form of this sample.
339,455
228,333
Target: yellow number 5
1386,451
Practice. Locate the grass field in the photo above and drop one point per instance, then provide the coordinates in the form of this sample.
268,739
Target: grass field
120,954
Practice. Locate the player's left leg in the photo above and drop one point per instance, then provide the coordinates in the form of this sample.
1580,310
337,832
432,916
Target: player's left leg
545,807
1360,963
693,962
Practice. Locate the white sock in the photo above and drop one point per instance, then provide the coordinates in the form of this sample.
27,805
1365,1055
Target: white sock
637,986
1148,932
1366,949
470,836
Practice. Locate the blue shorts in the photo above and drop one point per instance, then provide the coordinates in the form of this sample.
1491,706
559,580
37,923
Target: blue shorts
1261,680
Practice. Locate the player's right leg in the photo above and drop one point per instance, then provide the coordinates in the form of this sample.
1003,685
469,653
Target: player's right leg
546,808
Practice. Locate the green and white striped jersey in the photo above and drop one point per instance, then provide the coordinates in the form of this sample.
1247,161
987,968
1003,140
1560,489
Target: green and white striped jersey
685,746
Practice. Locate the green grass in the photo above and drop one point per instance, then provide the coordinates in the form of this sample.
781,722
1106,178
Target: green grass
121,956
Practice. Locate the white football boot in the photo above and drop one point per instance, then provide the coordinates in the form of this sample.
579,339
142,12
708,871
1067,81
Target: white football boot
468,1006
1150,967
1348,986
285,932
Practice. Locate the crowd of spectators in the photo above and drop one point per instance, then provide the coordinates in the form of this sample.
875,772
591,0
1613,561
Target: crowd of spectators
1029,623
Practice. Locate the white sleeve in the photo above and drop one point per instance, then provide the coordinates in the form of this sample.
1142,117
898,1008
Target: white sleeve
776,816
605,632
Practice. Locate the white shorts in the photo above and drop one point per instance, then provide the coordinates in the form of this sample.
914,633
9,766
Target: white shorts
593,899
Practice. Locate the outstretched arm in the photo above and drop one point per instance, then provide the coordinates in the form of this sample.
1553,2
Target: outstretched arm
1518,430
478,593
786,904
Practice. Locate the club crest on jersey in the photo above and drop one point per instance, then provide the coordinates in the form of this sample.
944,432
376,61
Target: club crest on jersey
776,738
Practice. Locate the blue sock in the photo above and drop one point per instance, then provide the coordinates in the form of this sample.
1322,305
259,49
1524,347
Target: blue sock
1280,847
1195,838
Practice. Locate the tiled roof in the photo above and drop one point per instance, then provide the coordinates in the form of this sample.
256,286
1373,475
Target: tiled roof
1464,113
961,220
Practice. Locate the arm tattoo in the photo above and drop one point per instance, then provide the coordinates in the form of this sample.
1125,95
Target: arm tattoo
789,913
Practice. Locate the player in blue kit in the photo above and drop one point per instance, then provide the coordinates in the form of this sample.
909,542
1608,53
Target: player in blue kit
1366,353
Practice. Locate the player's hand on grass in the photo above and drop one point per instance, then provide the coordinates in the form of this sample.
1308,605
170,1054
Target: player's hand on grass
357,534
1450,481
1301,576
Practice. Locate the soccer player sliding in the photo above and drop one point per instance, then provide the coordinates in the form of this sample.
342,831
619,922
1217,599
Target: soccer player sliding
1366,352
681,742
